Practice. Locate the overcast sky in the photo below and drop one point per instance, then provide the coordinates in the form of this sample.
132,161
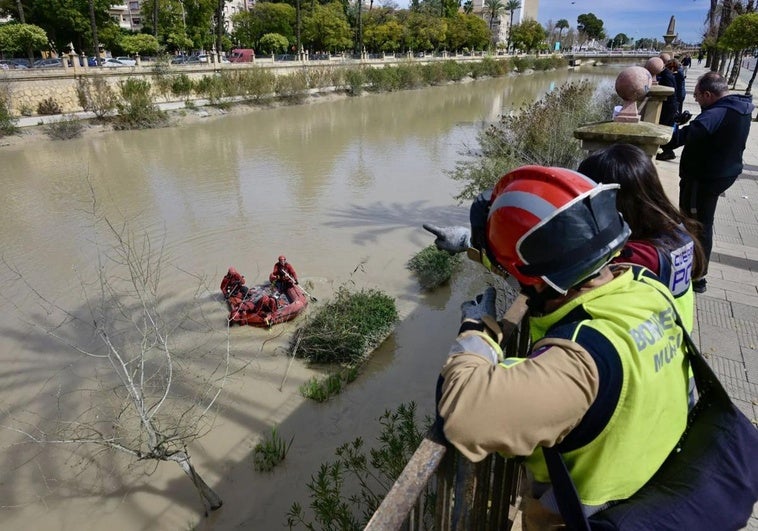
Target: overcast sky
635,18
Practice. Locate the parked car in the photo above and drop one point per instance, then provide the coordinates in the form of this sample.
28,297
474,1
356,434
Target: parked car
179,60
52,62
23,61
110,62
201,58
242,55
9,64
127,61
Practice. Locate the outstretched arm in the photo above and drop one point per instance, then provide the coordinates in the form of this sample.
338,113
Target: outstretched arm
454,239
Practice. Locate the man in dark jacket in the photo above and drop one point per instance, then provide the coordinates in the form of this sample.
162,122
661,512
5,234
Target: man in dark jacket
672,109
712,155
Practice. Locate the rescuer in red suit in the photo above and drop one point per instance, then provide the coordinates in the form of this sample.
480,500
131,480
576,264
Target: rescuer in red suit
283,276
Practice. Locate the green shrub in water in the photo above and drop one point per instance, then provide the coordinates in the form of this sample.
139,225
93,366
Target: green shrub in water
270,452
67,128
370,475
347,328
355,78
433,267
322,389
137,110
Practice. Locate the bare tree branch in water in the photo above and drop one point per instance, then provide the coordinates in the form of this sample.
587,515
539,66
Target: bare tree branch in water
153,376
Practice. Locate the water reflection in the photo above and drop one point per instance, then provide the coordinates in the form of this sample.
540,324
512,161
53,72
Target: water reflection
334,185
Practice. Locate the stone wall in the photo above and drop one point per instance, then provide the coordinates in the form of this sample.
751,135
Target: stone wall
27,88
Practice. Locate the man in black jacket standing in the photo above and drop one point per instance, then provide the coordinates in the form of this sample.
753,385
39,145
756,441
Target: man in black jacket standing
712,156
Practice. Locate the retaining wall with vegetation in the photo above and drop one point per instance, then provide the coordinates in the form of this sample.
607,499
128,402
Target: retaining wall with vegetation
25,90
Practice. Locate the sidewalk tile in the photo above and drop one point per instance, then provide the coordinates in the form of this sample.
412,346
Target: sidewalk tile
732,285
718,341
745,298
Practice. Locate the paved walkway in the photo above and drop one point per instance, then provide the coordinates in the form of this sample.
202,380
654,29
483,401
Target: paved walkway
727,314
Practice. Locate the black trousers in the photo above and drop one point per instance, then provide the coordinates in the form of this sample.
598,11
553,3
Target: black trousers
699,202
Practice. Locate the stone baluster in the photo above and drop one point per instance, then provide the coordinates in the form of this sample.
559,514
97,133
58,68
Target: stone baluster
633,84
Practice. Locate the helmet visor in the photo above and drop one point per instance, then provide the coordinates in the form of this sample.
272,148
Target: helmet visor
576,241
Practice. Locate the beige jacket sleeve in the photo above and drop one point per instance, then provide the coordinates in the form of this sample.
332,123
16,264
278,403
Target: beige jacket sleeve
537,402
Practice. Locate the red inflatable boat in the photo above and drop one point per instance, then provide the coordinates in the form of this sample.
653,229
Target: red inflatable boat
260,305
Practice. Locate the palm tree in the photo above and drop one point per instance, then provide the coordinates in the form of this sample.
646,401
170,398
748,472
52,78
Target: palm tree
493,8
562,24
511,6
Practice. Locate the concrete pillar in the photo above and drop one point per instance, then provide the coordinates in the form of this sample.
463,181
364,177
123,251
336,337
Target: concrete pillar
138,59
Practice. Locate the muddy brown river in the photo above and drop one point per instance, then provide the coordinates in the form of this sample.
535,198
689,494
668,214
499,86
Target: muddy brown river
340,187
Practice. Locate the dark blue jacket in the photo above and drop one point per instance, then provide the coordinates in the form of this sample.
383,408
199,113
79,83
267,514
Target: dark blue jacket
670,105
714,142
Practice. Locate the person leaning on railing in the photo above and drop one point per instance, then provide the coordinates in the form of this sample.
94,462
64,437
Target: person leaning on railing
606,382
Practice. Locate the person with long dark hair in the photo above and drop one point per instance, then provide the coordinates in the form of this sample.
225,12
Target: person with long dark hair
663,239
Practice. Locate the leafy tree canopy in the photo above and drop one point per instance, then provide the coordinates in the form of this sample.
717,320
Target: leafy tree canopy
467,31
142,44
21,37
274,43
591,26
326,28
262,18
529,35
742,33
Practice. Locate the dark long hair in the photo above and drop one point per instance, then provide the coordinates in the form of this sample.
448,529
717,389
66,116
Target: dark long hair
641,199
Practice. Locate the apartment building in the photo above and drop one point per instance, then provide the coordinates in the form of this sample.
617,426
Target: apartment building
501,25
129,15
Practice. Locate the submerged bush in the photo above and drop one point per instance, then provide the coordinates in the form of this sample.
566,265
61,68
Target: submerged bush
355,78
334,506
137,110
433,267
322,389
270,452
65,129
346,329
541,133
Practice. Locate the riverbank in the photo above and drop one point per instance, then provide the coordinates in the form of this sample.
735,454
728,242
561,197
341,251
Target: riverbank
34,128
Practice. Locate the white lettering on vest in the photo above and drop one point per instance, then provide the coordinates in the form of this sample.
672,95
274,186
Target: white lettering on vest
681,260
669,352
652,329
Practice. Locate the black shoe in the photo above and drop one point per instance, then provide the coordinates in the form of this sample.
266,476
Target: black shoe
666,155
699,285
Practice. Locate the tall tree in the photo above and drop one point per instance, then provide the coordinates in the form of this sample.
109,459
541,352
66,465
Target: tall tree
493,9
590,26
561,25
95,42
511,6
529,35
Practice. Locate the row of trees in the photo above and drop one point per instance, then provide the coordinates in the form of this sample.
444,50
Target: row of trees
276,27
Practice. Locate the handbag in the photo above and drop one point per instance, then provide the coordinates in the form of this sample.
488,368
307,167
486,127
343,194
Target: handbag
708,482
